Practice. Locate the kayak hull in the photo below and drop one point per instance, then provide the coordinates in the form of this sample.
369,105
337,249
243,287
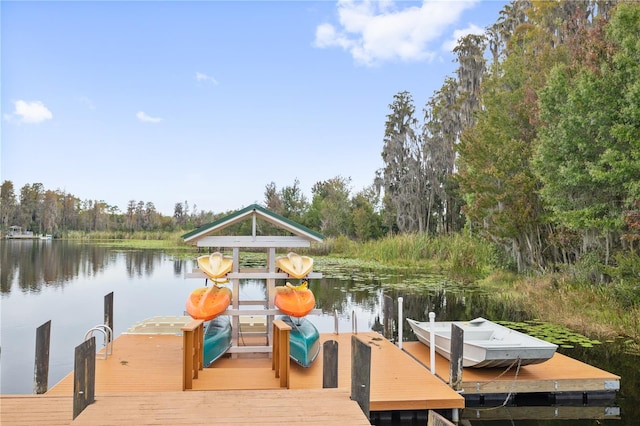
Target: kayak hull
215,265
304,340
294,301
206,303
294,265
217,339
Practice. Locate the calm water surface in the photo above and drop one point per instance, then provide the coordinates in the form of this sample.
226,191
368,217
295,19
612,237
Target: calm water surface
66,283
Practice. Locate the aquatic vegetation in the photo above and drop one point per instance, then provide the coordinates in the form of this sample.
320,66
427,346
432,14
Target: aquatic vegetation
553,333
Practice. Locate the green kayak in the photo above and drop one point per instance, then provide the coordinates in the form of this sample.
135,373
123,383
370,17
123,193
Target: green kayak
217,339
304,340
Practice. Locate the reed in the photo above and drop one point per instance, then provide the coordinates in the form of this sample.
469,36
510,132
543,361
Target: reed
462,257
593,310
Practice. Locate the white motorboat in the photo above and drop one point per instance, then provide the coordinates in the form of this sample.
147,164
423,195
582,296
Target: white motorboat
485,344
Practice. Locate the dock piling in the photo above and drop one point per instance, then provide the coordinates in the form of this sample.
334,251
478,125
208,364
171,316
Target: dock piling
41,369
457,349
388,317
361,374
108,313
84,375
330,364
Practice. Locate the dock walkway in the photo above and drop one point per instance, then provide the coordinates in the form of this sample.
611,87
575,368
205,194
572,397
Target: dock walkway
273,408
152,363
560,374
141,383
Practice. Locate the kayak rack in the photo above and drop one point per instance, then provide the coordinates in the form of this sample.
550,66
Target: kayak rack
108,338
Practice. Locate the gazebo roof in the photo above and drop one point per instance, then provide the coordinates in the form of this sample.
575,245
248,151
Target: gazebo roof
202,235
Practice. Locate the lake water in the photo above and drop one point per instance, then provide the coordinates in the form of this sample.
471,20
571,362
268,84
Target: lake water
65,282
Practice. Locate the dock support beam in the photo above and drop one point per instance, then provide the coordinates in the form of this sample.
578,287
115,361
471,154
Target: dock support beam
41,369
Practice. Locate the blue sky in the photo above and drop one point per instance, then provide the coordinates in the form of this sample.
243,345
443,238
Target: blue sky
209,101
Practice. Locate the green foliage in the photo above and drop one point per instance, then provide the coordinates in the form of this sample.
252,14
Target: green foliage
464,258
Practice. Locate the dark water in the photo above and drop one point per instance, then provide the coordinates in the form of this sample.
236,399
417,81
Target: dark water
66,283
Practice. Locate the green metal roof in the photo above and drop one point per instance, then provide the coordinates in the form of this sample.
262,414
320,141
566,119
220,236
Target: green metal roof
254,209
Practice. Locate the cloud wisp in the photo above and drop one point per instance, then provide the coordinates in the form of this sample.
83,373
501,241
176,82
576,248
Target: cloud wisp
145,118
206,79
374,32
29,112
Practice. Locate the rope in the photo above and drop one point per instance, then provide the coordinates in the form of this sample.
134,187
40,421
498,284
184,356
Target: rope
517,361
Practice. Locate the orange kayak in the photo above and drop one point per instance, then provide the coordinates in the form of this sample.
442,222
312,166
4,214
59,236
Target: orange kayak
206,303
215,265
296,301
295,265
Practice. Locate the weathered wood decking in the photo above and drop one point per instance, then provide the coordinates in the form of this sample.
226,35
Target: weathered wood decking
559,374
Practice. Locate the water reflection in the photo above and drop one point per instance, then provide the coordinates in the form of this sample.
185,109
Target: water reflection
33,264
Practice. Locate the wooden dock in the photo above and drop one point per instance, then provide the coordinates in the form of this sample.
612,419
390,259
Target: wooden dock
557,375
141,383
153,363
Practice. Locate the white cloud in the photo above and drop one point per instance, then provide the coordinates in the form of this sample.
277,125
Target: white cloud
379,31
29,112
142,116
204,78
450,44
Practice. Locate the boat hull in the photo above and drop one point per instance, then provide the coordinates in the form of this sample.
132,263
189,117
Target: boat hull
217,339
486,344
294,301
215,265
294,265
304,340
206,303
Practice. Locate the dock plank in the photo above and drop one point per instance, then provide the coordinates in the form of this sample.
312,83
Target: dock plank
29,410
330,407
559,374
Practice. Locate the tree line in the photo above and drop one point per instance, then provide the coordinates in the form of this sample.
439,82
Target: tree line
533,144
332,211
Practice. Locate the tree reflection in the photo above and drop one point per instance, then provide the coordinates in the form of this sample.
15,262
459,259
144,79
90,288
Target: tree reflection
34,264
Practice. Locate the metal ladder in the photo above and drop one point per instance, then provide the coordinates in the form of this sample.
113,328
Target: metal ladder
108,338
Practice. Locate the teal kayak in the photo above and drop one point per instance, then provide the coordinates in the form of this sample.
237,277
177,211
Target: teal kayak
217,339
304,340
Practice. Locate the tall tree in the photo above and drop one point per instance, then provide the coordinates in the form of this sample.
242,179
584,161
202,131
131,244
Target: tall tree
331,200
8,204
403,176
589,151
367,222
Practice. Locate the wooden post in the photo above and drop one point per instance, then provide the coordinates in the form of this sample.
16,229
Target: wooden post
457,349
388,317
108,314
330,364
192,352
84,375
361,374
281,351
41,370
